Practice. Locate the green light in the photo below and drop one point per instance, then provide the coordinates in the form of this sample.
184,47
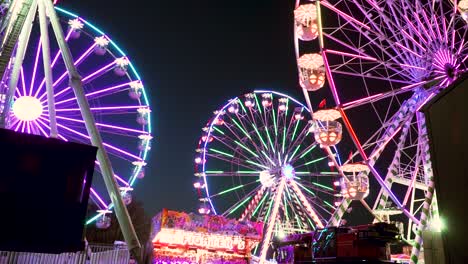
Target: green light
230,190
256,100
219,130
241,128
323,186
267,157
309,150
329,204
269,139
294,153
316,160
269,209
238,206
222,153
214,172
295,130
284,137
260,165
261,138
311,224
274,120
244,147
306,189
259,204
242,105
248,172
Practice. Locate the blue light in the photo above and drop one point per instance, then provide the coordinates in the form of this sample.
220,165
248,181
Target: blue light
288,171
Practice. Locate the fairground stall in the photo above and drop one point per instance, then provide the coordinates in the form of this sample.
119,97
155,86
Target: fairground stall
180,237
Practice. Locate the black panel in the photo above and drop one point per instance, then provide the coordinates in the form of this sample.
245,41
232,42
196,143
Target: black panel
447,117
44,191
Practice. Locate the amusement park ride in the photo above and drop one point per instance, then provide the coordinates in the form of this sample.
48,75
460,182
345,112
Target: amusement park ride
93,109
264,156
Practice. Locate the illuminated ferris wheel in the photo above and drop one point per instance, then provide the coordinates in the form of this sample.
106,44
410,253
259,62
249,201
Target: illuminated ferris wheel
44,102
381,62
258,160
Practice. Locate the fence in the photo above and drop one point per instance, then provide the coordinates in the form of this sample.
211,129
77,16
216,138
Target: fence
94,254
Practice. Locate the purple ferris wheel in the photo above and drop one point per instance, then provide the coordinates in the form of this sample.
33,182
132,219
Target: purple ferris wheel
113,89
381,61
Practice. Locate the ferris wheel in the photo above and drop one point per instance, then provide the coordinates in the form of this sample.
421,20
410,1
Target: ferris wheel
382,61
112,87
257,160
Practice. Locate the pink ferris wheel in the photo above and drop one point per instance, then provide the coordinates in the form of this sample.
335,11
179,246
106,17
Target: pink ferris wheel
381,61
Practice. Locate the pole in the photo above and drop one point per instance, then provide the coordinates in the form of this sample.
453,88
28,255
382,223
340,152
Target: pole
47,69
75,82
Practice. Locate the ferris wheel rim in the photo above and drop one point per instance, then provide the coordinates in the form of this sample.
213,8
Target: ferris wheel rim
123,153
208,197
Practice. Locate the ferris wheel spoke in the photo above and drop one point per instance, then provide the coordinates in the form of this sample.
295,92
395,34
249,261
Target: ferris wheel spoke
363,28
306,163
240,125
109,109
36,63
101,203
113,127
54,61
294,146
315,186
102,92
117,177
225,139
241,142
23,83
40,122
360,52
108,146
241,202
237,161
227,191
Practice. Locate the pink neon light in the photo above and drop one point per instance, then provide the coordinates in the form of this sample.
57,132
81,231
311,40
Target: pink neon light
330,78
348,17
350,55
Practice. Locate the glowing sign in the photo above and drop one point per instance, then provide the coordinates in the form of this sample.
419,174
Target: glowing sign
181,238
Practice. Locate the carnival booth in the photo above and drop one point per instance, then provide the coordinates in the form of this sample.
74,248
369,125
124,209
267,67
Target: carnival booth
189,238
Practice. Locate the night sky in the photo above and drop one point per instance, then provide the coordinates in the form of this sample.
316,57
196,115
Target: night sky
193,56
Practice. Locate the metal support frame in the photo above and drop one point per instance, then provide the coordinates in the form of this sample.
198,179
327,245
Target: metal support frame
47,69
121,212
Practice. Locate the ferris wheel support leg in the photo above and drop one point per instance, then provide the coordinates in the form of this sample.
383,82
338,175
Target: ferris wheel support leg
271,224
47,69
121,212
18,62
427,164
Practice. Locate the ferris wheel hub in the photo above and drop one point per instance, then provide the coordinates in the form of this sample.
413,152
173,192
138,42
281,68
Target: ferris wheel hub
27,108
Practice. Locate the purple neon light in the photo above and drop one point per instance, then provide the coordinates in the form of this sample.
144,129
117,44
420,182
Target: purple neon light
105,144
97,92
23,83
35,66
104,125
98,197
76,63
53,62
99,108
87,78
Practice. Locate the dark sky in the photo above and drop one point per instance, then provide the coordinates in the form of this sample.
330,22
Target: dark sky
193,56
